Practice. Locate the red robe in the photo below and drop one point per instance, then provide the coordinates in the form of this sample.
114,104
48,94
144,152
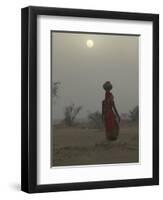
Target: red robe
109,116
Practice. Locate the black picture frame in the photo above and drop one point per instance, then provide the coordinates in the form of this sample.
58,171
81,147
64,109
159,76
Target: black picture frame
29,99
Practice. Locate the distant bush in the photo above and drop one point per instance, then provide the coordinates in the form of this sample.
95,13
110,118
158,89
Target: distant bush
134,114
96,119
71,113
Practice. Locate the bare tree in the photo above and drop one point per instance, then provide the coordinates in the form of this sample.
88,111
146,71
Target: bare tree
54,92
71,113
55,88
96,119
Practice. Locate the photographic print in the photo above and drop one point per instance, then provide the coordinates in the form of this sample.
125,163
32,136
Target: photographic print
94,98
90,99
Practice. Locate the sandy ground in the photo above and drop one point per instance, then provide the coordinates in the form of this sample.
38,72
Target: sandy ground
76,146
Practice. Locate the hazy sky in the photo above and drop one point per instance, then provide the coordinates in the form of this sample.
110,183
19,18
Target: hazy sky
83,70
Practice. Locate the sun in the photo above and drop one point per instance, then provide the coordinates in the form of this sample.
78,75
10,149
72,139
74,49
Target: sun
90,43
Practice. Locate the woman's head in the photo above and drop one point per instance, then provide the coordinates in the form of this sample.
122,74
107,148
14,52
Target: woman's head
107,86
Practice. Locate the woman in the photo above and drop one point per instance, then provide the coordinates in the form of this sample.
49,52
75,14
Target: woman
110,114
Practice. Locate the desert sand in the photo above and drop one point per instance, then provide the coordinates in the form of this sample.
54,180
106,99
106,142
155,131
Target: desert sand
83,146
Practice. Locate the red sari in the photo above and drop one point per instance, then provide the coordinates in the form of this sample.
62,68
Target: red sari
111,125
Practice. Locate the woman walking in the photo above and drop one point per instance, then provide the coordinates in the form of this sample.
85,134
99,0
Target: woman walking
110,115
